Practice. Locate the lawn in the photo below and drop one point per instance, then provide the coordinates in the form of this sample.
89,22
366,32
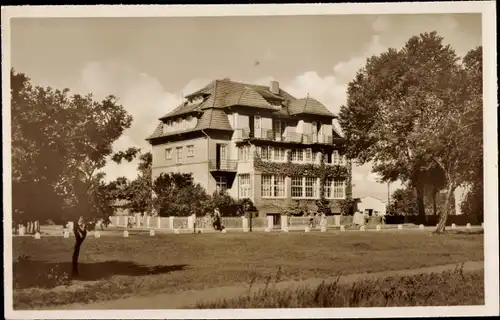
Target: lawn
115,267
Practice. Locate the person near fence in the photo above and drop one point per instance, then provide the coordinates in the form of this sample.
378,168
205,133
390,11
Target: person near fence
217,220
311,219
129,223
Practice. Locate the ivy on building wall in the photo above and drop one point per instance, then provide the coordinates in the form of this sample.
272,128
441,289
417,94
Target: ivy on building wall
321,171
290,169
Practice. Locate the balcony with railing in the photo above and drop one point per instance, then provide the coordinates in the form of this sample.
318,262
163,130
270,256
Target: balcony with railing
222,165
287,136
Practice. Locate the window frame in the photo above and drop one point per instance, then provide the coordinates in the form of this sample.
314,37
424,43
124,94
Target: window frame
273,186
244,189
168,153
190,151
178,155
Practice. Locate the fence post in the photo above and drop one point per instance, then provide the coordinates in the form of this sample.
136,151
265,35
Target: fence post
138,219
148,221
270,222
284,222
158,222
244,222
171,223
337,220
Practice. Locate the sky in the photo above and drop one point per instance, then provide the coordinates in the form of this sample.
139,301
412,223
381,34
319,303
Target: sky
150,63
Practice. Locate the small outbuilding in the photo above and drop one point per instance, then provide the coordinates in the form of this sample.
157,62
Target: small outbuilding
371,206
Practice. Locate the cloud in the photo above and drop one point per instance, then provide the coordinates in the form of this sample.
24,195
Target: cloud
140,94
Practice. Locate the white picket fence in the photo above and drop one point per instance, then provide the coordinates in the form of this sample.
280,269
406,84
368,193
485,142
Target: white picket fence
189,223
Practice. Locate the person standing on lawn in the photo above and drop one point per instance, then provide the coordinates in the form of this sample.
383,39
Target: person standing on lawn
217,220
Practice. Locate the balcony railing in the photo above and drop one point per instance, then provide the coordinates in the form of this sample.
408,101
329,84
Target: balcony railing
222,165
270,135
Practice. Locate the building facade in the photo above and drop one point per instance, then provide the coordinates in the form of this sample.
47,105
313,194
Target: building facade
256,142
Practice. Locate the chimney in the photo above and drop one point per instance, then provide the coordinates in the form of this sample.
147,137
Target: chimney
274,87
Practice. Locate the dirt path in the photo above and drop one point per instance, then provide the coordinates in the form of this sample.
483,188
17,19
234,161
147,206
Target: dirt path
189,298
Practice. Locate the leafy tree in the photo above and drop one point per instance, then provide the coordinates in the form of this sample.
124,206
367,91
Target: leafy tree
228,207
178,195
59,142
452,130
403,202
137,192
396,102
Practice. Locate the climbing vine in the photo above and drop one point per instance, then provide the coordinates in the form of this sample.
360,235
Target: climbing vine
290,169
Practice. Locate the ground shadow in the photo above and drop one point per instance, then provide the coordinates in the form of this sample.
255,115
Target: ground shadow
43,274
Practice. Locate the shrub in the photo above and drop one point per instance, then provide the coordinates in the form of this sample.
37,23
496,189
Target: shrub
436,289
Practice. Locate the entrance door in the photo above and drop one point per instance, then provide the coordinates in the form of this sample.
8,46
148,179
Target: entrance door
278,130
217,155
251,124
221,156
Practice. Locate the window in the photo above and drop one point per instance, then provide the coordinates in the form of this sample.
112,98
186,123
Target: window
279,154
328,188
336,158
272,186
266,182
297,155
310,187
244,153
308,155
168,153
279,186
190,151
178,155
169,126
256,123
223,152
304,187
266,153
339,189
221,184
328,158
297,187
245,186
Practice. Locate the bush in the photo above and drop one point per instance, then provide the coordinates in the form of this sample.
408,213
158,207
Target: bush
436,289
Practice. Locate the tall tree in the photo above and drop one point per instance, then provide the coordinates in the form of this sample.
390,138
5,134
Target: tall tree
137,192
451,129
385,105
59,142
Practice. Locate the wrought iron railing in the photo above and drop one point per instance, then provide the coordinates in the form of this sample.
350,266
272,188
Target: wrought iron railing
287,136
222,165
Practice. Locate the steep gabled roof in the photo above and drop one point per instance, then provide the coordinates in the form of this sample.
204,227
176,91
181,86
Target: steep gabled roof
220,94
214,119
182,109
308,106
210,119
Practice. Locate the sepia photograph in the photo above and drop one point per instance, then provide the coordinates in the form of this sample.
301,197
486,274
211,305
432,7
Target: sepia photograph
297,161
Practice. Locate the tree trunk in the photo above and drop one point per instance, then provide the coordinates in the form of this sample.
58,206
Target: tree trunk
76,253
450,188
80,234
434,201
419,188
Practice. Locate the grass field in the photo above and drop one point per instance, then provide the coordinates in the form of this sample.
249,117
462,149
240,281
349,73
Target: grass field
116,267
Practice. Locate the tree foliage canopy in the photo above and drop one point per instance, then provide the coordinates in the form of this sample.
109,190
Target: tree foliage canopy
413,110
59,142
